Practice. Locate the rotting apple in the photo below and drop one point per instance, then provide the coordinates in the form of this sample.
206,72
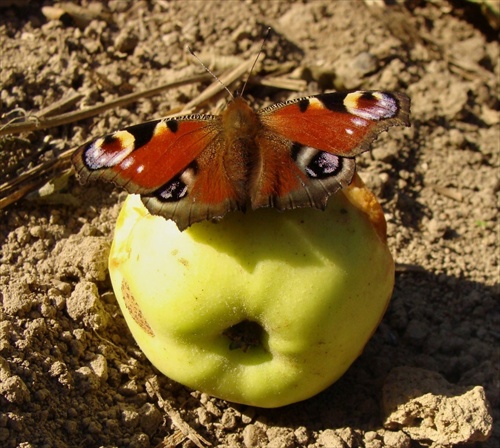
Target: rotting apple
263,308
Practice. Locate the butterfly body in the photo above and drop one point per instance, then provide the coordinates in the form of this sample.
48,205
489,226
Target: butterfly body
198,167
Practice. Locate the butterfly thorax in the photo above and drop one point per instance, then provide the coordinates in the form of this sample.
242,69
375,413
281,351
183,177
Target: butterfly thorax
240,121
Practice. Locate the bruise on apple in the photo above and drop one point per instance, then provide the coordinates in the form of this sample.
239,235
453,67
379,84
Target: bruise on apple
134,309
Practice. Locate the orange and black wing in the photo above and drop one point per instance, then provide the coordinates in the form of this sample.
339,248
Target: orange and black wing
307,146
174,164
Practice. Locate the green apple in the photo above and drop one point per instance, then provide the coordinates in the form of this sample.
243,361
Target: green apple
263,308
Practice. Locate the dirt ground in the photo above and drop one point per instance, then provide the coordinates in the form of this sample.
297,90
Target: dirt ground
70,372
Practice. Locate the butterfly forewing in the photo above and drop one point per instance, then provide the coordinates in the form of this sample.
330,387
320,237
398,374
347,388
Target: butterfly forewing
144,157
206,189
341,123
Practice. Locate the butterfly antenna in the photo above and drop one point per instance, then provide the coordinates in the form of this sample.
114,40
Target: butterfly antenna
266,36
209,71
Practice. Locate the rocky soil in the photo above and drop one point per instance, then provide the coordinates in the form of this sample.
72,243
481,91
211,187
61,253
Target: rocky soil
70,372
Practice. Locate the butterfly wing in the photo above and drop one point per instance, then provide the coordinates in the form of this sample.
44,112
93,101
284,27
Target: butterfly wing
310,144
296,175
174,164
340,123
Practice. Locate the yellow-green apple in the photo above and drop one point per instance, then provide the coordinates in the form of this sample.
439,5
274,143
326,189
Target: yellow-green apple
263,308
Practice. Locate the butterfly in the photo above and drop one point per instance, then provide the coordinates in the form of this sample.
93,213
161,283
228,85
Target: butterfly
199,167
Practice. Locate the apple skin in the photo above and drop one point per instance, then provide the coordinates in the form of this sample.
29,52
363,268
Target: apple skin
316,282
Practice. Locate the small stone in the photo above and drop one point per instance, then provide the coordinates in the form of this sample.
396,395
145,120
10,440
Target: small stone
254,436
37,231
422,404
151,418
364,64
417,332
100,367
84,305
126,41
15,390
301,435
131,418
328,438
396,439
204,416
228,420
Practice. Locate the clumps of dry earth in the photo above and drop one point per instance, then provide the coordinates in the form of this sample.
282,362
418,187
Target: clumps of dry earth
70,373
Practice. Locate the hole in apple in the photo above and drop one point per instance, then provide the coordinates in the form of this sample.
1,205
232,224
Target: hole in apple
245,335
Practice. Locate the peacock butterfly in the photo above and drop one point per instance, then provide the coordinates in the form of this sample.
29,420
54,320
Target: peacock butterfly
288,155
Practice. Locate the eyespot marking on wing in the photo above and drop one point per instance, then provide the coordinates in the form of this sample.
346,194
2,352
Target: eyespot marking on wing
108,151
178,187
314,163
371,105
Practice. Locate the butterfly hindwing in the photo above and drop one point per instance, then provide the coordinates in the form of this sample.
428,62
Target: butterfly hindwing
292,175
206,189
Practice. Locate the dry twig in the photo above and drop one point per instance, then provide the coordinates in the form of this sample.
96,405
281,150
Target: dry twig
175,416
71,117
